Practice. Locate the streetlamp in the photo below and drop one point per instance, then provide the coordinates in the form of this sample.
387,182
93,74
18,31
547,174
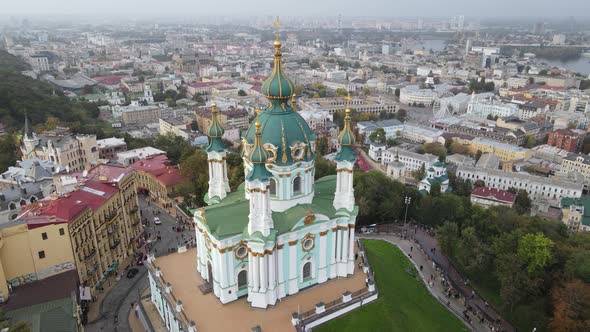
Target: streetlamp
407,201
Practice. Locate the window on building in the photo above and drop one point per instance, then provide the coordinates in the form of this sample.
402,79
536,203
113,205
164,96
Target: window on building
41,254
307,270
62,231
273,187
297,186
44,236
242,280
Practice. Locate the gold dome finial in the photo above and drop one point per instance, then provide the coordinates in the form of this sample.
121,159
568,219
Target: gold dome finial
257,125
294,102
348,99
277,42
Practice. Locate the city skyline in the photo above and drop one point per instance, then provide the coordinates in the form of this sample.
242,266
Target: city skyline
376,8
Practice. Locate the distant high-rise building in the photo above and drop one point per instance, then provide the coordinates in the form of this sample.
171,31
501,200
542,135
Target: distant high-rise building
468,46
460,22
385,49
539,28
559,39
339,25
420,24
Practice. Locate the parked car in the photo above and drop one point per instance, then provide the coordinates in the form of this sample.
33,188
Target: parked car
157,221
132,272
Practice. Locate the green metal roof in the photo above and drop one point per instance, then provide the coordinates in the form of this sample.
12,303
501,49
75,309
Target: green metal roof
345,154
278,86
282,127
230,217
53,316
566,202
215,144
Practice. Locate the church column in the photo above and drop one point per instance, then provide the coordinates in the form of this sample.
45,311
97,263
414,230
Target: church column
333,235
280,272
323,258
338,245
351,261
263,272
255,273
271,271
293,273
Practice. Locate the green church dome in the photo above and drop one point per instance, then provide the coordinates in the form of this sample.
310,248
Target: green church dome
346,138
215,132
278,86
281,125
258,158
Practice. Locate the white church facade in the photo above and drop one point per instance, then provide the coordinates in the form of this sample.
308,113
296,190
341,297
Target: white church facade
282,230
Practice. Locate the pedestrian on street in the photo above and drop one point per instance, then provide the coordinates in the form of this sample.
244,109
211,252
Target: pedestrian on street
411,248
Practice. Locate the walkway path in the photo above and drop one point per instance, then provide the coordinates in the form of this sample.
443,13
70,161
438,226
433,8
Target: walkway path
115,308
477,317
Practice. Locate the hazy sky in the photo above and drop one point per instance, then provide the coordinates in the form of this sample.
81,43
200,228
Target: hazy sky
384,8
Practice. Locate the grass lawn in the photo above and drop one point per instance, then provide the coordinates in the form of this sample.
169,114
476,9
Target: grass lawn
404,303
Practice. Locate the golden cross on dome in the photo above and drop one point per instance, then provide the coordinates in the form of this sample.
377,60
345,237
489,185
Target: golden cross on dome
277,25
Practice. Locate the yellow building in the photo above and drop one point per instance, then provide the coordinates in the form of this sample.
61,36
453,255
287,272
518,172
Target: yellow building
157,178
93,229
28,254
506,152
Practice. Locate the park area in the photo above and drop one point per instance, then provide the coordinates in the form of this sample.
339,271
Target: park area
404,303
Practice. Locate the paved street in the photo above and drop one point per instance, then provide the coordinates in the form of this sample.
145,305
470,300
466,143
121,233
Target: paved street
115,308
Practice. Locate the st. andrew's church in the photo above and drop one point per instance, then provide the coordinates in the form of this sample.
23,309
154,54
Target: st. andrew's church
281,231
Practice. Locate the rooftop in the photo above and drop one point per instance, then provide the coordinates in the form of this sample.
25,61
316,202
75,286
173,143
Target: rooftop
497,194
109,142
211,315
230,217
141,152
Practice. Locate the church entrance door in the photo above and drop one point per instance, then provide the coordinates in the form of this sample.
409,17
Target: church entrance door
209,273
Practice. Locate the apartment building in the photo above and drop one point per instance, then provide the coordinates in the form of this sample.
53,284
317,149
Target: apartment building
371,105
140,115
412,161
550,190
506,152
92,229
158,179
74,152
576,214
564,139
109,147
576,163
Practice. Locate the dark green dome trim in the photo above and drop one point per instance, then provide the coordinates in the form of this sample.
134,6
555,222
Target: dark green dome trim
345,154
215,145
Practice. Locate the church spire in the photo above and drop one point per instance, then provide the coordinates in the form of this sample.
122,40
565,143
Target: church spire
258,159
346,137
216,156
216,132
278,87
344,195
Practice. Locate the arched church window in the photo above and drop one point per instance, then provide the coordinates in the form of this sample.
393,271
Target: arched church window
242,280
297,185
307,270
273,187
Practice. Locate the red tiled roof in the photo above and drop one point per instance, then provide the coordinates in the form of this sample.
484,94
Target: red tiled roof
108,80
66,208
159,167
107,173
498,194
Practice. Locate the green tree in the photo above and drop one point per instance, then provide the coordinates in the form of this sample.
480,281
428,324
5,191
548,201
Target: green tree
324,167
341,92
535,250
322,146
242,93
522,203
446,235
401,115
8,151
195,169
530,141
175,146
397,92
378,136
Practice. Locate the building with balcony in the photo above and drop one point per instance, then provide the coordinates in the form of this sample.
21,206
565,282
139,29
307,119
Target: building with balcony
109,147
59,146
98,224
576,214
158,179
564,139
